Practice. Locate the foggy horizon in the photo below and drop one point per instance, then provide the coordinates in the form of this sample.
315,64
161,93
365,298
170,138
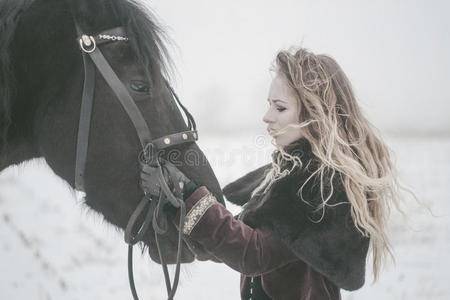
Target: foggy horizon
394,53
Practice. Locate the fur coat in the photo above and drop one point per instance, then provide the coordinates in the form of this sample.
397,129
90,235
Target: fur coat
326,240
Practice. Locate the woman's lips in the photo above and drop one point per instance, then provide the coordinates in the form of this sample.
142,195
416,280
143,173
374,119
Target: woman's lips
271,131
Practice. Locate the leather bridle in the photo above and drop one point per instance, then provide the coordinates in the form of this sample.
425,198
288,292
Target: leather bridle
148,157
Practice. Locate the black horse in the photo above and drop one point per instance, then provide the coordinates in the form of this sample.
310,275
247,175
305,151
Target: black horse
41,83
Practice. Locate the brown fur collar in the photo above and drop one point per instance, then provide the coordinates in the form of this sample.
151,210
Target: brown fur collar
333,246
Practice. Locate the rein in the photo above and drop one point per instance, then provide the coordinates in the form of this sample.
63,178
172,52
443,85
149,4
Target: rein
148,159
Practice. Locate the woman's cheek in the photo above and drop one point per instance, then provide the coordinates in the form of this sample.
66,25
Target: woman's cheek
291,135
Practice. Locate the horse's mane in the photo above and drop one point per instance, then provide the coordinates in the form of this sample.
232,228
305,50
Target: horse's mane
10,11
147,41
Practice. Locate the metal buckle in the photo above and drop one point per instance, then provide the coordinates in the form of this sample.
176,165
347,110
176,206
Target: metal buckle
87,41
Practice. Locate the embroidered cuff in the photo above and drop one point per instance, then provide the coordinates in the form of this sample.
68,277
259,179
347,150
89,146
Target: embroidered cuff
197,211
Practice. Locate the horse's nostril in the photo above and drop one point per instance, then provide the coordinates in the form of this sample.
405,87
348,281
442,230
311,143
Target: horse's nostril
140,86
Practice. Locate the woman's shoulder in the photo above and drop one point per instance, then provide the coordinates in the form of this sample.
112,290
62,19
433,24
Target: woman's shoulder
308,173
239,191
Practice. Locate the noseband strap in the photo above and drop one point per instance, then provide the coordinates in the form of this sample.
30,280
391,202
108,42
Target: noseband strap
148,158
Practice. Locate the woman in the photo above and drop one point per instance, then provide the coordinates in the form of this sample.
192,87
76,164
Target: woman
308,218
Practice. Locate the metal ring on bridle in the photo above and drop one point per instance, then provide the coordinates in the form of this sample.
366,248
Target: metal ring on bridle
87,41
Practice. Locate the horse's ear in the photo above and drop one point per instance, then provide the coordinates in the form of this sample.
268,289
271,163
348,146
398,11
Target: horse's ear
10,11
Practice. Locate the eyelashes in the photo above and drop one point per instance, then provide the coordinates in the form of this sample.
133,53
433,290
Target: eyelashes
278,108
140,86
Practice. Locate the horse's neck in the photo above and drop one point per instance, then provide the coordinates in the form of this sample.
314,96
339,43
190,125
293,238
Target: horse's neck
18,151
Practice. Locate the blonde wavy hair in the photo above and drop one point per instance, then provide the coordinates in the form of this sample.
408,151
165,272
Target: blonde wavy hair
343,141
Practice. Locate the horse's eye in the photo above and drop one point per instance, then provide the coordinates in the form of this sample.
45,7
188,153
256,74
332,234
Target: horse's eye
140,86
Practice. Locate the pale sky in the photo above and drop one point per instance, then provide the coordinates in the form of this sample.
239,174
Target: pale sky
394,52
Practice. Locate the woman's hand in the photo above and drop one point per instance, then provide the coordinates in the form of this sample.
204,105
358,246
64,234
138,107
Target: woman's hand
180,185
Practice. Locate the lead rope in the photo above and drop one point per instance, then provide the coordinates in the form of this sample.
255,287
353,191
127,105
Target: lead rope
171,289
179,203
152,214
155,207
132,240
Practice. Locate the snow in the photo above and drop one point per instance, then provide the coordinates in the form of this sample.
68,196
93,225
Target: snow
53,247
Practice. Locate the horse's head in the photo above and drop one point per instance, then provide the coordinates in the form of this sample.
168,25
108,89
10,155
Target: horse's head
44,105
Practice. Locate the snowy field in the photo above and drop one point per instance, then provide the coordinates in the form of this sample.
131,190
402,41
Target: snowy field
52,247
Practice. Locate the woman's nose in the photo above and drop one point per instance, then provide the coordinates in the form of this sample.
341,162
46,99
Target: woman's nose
268,118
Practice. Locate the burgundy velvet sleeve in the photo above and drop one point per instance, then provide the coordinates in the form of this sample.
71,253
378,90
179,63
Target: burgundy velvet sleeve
247,250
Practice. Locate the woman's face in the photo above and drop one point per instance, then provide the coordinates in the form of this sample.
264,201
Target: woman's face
283,111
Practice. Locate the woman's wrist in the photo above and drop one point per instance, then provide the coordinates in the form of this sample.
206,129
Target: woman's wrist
189,189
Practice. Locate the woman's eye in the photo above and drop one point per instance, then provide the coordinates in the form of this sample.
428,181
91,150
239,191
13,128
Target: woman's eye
280,109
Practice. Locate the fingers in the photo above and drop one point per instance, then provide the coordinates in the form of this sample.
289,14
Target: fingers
173,177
